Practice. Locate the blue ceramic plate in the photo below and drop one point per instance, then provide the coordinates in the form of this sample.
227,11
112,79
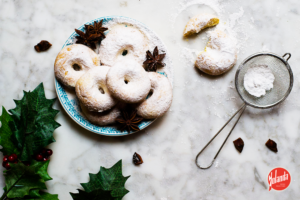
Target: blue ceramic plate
68,98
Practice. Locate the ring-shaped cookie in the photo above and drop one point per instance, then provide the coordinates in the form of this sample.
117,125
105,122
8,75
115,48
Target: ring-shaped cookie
220,54
72,62
128,81
160,98
101,118
200,22
123,42
92,91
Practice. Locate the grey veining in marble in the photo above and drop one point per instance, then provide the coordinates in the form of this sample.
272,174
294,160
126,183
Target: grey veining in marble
200,106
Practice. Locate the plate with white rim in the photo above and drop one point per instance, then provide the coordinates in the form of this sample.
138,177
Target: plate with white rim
67,96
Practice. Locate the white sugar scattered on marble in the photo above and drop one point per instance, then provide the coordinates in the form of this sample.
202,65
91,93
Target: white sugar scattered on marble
233,22
258,80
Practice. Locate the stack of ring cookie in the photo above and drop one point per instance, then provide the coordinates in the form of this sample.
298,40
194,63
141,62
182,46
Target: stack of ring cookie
103,90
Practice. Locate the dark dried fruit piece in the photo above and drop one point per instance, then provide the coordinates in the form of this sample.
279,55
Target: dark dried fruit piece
137,159
239,144
272,145
44,45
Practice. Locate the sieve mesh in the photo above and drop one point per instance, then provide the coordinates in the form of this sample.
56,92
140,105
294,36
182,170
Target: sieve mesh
282,84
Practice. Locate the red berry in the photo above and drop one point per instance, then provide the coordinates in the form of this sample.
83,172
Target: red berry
15,156
39,157
5,159
11,158
44,152
49,152
45,159
7,165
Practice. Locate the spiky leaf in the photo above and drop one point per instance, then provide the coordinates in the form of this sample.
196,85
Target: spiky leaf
8,147
107,179
20,179
33,122
110,180
41,169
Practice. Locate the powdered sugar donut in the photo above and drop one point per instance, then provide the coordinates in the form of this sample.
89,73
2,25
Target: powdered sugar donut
128,81
92,92
102,118
200,22
123,42
72,62
160,100
220,54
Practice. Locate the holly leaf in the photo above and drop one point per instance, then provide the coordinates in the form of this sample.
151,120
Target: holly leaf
106,179
98,194
107,184
41,169
8,146
20,179
33,122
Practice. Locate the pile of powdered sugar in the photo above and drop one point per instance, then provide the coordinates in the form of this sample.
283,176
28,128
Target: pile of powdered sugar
258,79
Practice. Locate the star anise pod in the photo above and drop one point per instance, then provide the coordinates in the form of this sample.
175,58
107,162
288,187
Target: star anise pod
129,120
97,29
154,60
86,38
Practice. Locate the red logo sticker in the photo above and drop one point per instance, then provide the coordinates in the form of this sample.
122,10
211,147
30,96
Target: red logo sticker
279,179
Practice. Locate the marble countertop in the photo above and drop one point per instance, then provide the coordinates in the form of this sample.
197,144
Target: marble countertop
201,104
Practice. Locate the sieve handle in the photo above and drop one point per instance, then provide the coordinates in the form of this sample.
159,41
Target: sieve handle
242,109
287,54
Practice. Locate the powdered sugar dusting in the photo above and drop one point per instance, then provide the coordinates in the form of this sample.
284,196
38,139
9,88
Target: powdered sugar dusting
78,54
220,54
153,39
161,99
230,23
197,23
123,38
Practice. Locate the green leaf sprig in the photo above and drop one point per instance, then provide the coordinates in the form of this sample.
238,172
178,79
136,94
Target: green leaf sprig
25,130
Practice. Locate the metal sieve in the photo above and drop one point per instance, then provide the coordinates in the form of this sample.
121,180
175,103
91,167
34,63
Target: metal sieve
282,87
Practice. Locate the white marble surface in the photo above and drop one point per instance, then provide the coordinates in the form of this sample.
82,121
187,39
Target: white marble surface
200,106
